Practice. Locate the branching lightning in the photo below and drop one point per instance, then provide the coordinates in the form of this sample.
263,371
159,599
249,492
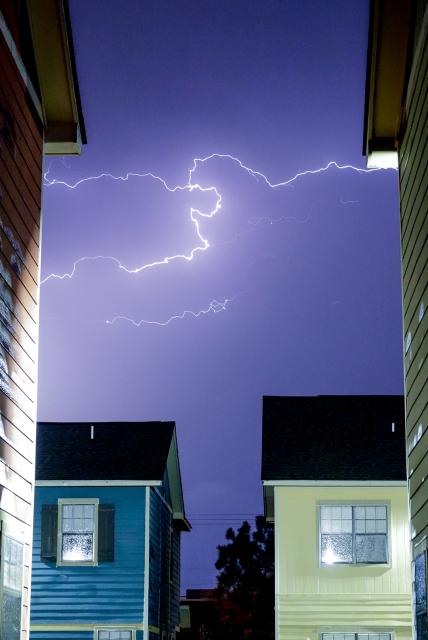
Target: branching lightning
196,215
215,306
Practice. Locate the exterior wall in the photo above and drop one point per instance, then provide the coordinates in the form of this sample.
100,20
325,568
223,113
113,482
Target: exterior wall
164,584
413,166
311,598
80,598
20,196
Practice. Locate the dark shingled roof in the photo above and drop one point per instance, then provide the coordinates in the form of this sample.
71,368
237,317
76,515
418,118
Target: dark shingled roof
333,438
119,450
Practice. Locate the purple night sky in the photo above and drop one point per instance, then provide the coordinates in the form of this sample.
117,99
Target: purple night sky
311,269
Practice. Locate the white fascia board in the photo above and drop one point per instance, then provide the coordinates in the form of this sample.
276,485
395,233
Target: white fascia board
334,483
98,483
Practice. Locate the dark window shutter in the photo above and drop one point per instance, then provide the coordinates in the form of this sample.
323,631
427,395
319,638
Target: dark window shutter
106,533
49,532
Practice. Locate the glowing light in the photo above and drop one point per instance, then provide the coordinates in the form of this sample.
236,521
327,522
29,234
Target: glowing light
329,557
215,306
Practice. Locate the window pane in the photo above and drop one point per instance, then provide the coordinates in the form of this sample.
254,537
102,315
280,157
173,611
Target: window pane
381,513
421,627
103,635
11,616
371,548
12,564
78,518
336,548
371,528
360,526
77,547
336,519
420,584
360,513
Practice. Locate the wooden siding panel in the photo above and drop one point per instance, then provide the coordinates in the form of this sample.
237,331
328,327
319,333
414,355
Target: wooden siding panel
416,335
416,148
418,431
164,582
413,160
21,143
13,225
110,593
417,94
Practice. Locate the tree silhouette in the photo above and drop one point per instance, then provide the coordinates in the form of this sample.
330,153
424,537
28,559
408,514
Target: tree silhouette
245,583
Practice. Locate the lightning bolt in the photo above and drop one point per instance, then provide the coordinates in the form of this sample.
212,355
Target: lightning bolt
215,306
195,214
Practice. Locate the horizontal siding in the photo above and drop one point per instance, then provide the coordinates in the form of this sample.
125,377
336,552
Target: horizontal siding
303,611
164,593
414,246
107,593
155,558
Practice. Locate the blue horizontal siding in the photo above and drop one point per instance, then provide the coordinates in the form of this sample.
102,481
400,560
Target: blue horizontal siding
110,593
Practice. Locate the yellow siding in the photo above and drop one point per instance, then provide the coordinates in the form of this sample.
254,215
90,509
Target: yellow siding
311,598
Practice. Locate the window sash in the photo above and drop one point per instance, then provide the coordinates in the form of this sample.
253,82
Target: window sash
114,634
77,528
355,529
11,585
356,636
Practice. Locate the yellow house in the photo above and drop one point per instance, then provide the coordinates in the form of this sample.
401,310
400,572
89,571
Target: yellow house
334,484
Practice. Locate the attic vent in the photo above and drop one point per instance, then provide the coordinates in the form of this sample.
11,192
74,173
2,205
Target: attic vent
92,431
393,427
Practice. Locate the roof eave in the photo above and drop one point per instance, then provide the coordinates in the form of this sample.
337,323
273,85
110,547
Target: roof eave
387,59
56,70
175,485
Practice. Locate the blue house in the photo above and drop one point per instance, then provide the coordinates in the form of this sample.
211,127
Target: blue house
108,518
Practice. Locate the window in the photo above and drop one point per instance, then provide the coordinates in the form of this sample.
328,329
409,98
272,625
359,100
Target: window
77,539
420,595
11,588
353,535
114,634
77,531
356,636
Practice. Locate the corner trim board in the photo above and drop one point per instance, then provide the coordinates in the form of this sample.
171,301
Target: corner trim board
146,564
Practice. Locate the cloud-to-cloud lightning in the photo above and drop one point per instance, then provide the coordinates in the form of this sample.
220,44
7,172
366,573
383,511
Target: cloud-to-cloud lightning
215,306
196,215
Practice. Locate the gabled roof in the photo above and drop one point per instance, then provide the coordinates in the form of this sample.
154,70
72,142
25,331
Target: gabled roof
339,438
110,451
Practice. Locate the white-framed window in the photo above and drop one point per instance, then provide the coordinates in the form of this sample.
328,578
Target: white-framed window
353,534
114,634
77,531
356,636
12,561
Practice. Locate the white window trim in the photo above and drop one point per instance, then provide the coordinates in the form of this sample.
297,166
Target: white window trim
70,563
355,503
115,627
